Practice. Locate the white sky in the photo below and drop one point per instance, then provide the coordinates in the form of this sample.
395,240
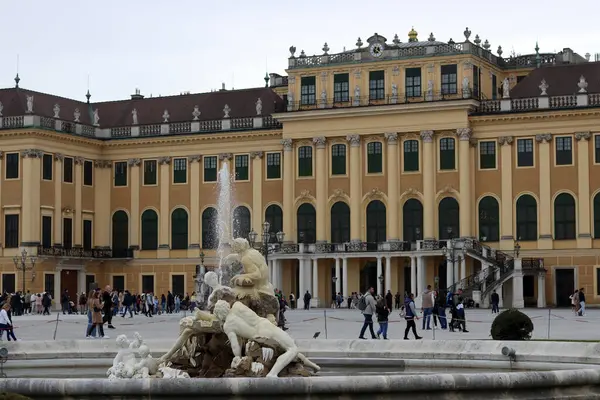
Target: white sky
166,47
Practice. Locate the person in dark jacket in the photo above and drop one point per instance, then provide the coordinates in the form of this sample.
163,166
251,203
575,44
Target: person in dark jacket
383,313
410,316
128,301
495,299
107,306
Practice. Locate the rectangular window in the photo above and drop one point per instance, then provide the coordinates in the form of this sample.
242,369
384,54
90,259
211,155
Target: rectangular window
49,283
12,166
11,231
147,283
180,170
150,172
487,155
8,283
338,159
118,283
374,158
447,154
376,85
87,234
305,161
241,167
120,173
597,148
68,170
411,155
495,88
524,152
46,231
178,285
413,82
341,88
210,169
89,281
449,79
476,81
67,233
564,151
308,90
273,165
88,173
47,166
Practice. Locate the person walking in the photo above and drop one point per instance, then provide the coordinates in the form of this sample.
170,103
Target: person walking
581,303
97,321
427,307
389,298
382,319
495,300
107,307
6,322
127,304
397,300
367,306
410,316
307,298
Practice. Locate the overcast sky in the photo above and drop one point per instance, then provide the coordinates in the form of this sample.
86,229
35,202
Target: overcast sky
166,47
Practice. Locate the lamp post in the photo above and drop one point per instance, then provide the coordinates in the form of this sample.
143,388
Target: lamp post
452,256
517,249
22,264
266,236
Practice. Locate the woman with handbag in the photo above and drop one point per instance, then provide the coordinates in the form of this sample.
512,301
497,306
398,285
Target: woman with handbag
96,307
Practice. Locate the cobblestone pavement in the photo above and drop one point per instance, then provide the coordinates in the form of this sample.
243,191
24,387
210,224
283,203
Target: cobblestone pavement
332,324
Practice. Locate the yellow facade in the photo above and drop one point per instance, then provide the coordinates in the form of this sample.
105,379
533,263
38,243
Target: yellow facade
370,143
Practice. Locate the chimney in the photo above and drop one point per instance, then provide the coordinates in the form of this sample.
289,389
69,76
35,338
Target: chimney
223,87
137,95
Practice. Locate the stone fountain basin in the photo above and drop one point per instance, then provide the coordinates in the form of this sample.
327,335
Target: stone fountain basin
353,367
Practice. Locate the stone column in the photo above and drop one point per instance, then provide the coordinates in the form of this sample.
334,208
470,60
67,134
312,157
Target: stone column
102,186
355,188
413,275
500,292
449,272
57,285
302,284
30,211
506,210
463,267
517,296
456,266
379,273
345,277
288,190
545,207
81,283
584,237
257,178
57,217
315,283
194,163
465,189
428,186
392,186
278,270
165,215
338,282
322,175
78,228
541,294
420,276
388,273
134,208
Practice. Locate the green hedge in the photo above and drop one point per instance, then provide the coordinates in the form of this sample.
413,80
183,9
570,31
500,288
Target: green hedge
512,324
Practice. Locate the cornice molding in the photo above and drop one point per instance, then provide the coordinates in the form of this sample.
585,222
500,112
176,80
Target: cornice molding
550,114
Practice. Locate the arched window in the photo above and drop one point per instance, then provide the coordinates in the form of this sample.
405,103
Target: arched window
306,222
527,218
489,219
149,230
340,223
412,217
210,236
564,217
274,216
376,222
449,219
179,229
241,222
597,216
120,234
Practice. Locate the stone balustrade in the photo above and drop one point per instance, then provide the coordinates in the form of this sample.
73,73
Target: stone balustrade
539,103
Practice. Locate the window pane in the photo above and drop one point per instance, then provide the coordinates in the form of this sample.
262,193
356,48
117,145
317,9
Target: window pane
374,157
150,172
11,231
12,166
487,155
411,155
308,90
449,79
47,164
210,169
273,165
88,173
305,161
68,170
241,168
180,170
120,173
338,159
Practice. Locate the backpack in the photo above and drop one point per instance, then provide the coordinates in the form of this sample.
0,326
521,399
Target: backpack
402,312
362,303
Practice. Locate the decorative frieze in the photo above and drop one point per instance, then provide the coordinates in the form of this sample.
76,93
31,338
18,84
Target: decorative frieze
505,140
463,133
339,194
32,153
543,138
225,156
134,162
103,164
391,137
427,136
320,142
257,154
354,140
165,160
306,195
583,136
59,157
195,158
78,160
375,193
287,144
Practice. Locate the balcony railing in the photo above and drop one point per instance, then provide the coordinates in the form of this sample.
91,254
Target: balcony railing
79,252
353,247
539,103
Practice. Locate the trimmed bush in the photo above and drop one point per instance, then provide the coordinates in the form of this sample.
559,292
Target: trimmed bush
512,324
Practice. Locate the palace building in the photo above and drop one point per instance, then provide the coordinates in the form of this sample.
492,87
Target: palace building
395,164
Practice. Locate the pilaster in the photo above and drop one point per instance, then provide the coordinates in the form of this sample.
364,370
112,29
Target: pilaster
388,274
465,188
57,217
30,213
545,213
315,283
506,210
257,179
102,186
345,277
541,291
517,296
194,163
134,208
355,187
413,275
322,175
379,274
338,281
288,193
165,215
584,237
393,186
428,186
78,228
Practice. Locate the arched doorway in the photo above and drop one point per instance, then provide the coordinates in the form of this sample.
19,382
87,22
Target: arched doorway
120,234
